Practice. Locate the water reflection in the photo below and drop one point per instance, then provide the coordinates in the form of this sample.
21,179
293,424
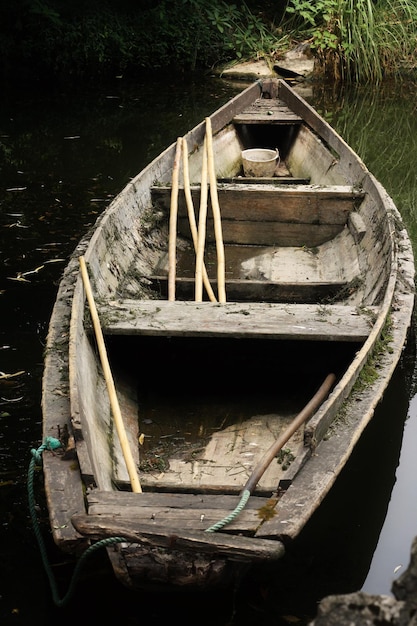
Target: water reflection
380,124
63,155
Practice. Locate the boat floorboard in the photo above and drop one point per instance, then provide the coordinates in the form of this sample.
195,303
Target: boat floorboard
334,322
238,447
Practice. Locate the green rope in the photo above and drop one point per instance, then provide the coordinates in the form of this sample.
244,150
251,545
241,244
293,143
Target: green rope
226,520
51,443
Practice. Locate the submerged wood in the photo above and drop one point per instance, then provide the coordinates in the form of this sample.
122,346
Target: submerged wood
319,276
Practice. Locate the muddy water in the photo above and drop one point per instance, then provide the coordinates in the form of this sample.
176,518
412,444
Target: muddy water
64,153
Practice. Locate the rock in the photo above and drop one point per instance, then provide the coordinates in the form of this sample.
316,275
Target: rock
362,609
248,70
297,63
405,587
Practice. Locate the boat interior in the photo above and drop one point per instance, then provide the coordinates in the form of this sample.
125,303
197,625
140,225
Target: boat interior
287,238
200,375
292,272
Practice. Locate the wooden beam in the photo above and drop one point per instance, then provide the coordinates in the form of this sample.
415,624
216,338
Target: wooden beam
264,202
190,511
234,319
175,538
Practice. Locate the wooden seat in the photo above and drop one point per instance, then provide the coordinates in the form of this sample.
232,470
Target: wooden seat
186,510
234,319
271,214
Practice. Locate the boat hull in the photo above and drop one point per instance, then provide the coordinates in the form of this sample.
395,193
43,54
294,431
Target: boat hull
319,276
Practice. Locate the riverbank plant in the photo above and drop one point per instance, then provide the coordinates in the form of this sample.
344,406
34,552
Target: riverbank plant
357,40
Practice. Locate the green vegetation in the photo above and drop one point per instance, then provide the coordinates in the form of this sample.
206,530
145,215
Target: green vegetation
125,35
353,40
357,40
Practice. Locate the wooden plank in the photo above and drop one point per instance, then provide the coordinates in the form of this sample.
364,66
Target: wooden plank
63,484
228,456
276,180
189,511
264,202
267,111
252,290
233,319
266,233
175,538
100,501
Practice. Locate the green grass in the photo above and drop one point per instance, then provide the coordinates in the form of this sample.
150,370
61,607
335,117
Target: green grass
357,40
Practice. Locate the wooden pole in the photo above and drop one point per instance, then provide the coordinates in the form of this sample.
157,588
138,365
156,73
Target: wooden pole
191,217
114,403
172,245
216,215
302,417
201,229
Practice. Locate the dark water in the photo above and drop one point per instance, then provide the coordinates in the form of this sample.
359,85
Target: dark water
64,153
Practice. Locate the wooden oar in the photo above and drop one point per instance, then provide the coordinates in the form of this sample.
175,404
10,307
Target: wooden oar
191,217
216,214
172,245
302,417
114,403
201,229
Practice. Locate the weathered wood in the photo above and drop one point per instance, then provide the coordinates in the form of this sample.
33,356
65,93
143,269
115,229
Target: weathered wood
309,489
268,214
63,483
232,319
267,111
101,501
276,180
268,233
227,458
263,202
345,161
232,546
186,510
352,251
126,393
251,290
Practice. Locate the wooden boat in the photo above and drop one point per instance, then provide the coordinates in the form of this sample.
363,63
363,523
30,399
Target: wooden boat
219,343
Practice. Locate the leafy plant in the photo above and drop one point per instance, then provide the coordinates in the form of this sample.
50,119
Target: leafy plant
357,40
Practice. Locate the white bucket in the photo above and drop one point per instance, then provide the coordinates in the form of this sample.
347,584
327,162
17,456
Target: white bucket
260,162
